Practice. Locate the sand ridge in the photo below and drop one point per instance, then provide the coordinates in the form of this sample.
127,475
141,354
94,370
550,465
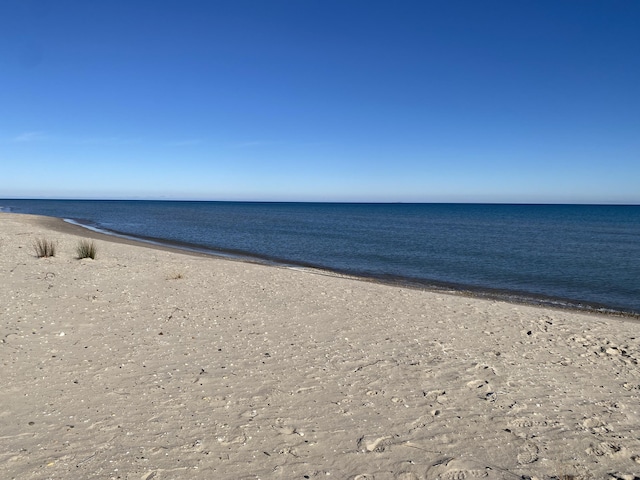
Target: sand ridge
148,363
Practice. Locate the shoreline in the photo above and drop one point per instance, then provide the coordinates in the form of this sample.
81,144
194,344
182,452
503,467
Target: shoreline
510,296
151,362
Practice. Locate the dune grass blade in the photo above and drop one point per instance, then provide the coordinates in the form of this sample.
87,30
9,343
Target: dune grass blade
87,249
44,248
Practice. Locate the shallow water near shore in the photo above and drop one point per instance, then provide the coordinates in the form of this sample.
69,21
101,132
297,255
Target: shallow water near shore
575,256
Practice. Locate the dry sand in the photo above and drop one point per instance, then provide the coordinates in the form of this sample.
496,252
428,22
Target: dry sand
152,364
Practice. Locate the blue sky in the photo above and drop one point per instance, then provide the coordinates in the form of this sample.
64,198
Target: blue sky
325,100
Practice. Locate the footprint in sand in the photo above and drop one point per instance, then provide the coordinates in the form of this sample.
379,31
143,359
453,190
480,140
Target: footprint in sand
457,469
484,390
423,421
604,449
623,476
527,423
406,476
373,443
482,367
437,396
608,404
476,384
595,425
528,453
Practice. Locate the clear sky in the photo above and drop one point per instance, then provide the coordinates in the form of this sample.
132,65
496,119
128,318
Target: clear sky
321,100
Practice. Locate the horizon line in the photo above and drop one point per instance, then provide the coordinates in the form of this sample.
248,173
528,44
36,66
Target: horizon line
354,202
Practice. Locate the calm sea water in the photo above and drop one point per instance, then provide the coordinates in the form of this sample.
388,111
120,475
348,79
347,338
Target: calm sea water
580,256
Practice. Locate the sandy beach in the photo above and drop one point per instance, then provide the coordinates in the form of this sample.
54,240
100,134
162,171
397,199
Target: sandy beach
150,363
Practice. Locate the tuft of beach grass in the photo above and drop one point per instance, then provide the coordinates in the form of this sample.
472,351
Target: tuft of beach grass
86,249
44,248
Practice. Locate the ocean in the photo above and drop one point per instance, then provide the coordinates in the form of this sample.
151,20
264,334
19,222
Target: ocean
573,256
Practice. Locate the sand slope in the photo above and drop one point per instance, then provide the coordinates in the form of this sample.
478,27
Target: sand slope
147,363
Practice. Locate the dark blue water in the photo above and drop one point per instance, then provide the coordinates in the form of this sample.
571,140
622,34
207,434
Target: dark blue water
580,256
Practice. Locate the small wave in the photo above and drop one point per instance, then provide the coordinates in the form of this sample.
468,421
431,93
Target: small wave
84,225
